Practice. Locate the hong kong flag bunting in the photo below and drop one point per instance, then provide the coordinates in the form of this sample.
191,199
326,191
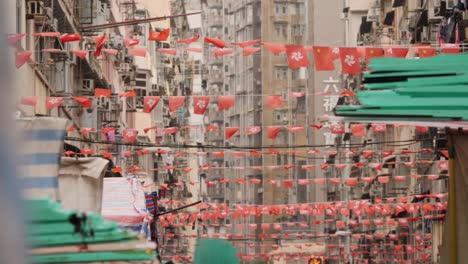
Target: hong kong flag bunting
297,94
274,101
225,102
247,51
53,102
230,131
175,102
217,42
273,131
159,36
80,53
46,34
397,52
130,135
170,51
149,103
100,40
100,92
323,59
218,52
194,49
379,128
246,43
83,101
129,42
297,56
189,40
70,38
274,48
200,104
137,52
253,130
29,100
14,38
350,61
22,57
337,129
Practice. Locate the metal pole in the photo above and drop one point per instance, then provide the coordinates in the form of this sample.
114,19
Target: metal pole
345,194
452,208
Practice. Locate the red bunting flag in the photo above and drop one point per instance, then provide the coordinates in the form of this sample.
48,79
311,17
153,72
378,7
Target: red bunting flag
52,50
295,129
297,56
83,101
252,130
425,51
379,128
358,130
373,53
397,52
337,129
101,92
128,94
46,34
170,130
14,38
323,59
130,135
254,153
189,40
100,40
246,43
168,51
194,49
230,131
70,38
288,183
29,100
137,52
450,48
297,94
159,36
200,104
53,102
225,102
212,128
80,53
247,51
106,130
149,103
217,42
22,57
175,102
350,61
422,129
129,42
274,101
274,48
219,52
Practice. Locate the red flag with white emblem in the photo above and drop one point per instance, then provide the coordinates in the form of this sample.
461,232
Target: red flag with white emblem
225,102
149,103
274,101
200,104
253,130
230,131
337,129
53,102
130,135
379,128
350,61
397,52
297,56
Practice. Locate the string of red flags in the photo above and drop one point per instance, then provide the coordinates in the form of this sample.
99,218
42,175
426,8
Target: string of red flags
297,56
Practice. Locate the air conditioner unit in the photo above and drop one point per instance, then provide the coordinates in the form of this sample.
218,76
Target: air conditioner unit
124,67
35,8
87,85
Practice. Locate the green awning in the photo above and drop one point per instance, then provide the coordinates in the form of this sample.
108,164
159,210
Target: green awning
433,88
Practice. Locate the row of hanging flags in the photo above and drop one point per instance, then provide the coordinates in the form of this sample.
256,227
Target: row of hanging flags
297,56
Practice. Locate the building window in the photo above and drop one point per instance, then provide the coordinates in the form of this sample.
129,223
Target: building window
226,68
281,72
295,74
281,29
281,9
298,30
